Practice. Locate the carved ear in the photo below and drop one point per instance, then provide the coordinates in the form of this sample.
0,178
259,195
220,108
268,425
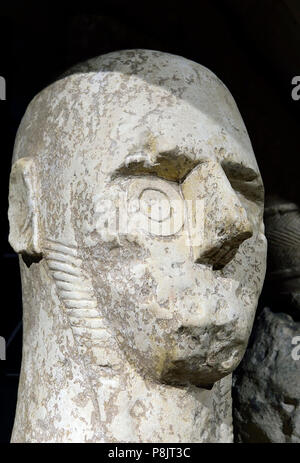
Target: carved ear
23,211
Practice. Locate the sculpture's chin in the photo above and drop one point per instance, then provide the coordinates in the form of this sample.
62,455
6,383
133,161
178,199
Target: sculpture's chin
197,356
183,373
198,371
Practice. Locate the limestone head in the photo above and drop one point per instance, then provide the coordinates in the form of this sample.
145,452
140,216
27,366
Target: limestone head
137,165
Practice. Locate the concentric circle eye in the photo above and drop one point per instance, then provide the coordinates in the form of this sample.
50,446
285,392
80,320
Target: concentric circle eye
155,206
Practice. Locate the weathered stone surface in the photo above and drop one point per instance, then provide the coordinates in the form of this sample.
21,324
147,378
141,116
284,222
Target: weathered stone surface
282,286
142,252
266,387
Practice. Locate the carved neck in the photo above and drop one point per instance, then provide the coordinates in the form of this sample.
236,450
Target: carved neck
75,384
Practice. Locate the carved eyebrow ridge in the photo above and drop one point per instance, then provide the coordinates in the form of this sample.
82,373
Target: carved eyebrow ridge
176,166
238,171
170,165
245,180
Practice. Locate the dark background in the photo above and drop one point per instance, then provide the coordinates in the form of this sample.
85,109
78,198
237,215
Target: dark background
252,45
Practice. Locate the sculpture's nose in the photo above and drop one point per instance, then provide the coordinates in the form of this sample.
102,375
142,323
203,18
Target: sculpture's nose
218,222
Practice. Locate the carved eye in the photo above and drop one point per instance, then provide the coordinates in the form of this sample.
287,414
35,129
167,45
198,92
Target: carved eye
155,206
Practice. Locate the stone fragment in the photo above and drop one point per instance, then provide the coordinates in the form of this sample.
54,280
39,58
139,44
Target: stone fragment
266,384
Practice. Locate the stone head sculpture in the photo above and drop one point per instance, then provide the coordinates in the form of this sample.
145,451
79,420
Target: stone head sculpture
136,206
